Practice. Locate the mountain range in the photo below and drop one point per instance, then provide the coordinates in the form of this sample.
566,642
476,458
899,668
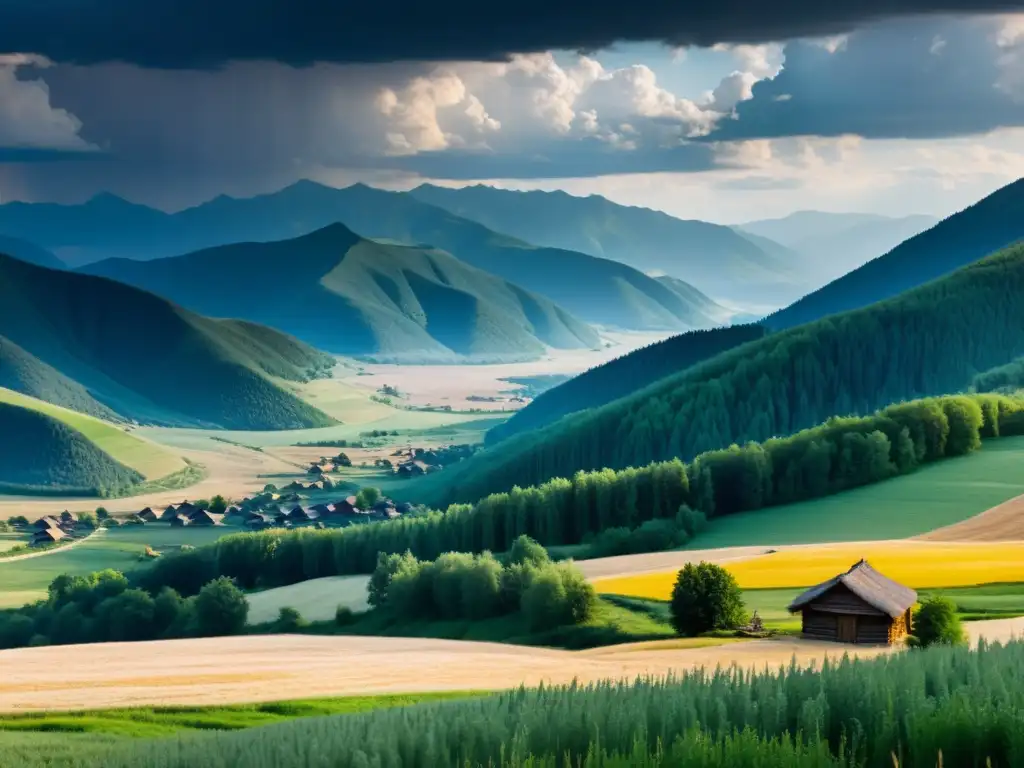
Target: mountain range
831,244
114,351
351,296
715,258
599,291
992,223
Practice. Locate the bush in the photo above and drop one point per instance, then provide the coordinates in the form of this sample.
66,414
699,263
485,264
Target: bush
705,597
936,622
344,616
380,580
221,609
558,595
527,551
102,513
290,620
367,497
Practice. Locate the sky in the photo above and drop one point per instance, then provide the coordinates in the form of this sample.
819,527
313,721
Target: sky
725,111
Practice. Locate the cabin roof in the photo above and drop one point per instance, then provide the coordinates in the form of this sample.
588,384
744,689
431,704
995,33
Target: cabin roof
869,585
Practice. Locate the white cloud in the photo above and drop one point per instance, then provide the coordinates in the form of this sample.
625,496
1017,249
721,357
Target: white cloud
27,118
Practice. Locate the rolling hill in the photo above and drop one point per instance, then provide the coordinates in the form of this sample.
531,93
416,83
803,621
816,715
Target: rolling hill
713,257
929,340
41,454
624,375
149,460
119,350
990,224
351,296
600,291
832,244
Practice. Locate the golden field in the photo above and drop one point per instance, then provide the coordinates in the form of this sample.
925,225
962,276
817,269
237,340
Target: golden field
918,564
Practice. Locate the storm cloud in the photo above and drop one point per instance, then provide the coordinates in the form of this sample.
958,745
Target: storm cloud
208,33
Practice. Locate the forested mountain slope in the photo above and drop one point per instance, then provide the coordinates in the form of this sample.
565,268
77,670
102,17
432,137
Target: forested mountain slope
624,375
39,453
144,358
990,224
713,257
26,251
930,340
352,296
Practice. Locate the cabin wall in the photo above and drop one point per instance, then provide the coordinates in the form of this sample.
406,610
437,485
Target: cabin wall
820,626
874,630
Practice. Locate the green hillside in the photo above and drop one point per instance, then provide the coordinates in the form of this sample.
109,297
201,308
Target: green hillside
995,222
704,312
21,372
39,453
146,359
623,375
599,291
148,459
713,257
930,340
357,297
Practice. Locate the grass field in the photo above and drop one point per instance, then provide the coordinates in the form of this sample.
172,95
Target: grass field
12,540
316,599
23,581
922,565
934,496
147,458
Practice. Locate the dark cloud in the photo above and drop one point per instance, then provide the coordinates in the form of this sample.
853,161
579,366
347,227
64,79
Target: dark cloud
207,33
920,80
42,155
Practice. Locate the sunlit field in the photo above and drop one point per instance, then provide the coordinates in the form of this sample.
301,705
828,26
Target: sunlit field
917,564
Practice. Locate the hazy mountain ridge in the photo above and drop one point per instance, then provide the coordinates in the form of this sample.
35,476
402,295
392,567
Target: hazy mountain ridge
353,296
144,358
712,257
600,291
983,228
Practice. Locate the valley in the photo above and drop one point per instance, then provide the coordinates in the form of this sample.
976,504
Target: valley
324,443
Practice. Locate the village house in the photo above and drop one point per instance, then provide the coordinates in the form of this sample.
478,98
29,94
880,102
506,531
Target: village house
147,514
45,536
346,507
206,517
44,523
258,521
858,606
169,513
323,510
179,521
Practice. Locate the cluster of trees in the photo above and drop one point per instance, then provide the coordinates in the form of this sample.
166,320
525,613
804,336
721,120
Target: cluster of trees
650,536
624,375
106,607
464,586
1003,378
928,341
838,455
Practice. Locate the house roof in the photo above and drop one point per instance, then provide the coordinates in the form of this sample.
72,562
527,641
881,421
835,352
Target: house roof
869,585
53,534
47,522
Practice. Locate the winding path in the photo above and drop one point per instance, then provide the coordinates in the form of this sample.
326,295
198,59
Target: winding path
54,550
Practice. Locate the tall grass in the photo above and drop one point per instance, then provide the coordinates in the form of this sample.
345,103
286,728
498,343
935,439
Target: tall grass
968,705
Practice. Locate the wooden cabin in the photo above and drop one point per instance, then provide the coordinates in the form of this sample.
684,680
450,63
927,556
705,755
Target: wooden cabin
147,514
858,606
169,513
45,536
179,521
206,517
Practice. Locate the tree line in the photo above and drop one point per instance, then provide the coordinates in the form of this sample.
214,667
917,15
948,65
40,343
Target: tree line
929,341
105,607
840,454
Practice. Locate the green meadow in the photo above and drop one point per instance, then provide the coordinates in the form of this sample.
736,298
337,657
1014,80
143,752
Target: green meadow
933,496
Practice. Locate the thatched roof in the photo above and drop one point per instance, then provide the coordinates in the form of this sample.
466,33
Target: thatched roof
869,585
48,535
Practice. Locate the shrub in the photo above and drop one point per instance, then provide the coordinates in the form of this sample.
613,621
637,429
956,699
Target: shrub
102,513
527,551
128,616
558,595
705,597
936,622
290,620
692,521
481,587
367,497
380,580
221,608
344,616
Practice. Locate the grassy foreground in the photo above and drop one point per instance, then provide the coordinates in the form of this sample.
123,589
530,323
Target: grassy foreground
899,710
